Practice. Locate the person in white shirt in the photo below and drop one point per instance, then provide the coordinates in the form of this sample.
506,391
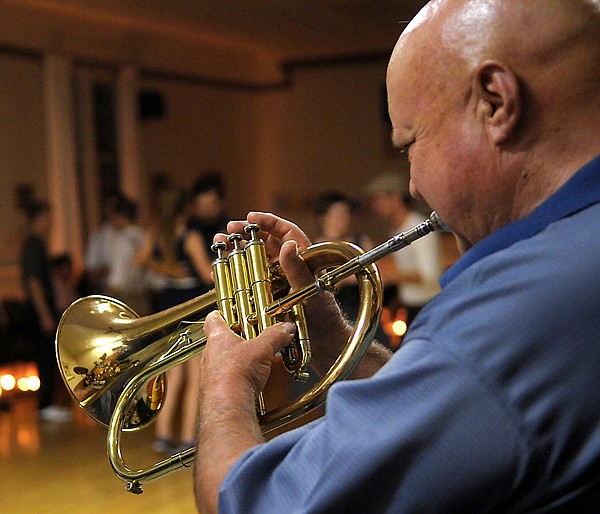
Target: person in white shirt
417,269
126,280
98,252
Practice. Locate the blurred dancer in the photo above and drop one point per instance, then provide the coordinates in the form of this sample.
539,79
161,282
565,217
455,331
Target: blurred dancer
98,252
417,269
177,254
208,207
38,286
126,280
334,212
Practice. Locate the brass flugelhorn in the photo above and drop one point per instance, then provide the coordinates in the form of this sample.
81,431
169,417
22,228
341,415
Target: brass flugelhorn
113,362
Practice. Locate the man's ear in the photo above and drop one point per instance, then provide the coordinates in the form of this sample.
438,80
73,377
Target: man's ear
498,99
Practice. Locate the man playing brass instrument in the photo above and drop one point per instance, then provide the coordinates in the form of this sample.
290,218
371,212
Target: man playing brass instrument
492,404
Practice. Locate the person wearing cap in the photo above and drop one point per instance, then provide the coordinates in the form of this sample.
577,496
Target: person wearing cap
417,269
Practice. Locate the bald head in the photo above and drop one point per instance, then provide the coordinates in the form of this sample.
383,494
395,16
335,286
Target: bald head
515,29
518,80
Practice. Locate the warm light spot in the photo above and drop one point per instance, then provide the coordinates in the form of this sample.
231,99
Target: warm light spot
28,438
399,327
33,382
22,384
103,307
8,382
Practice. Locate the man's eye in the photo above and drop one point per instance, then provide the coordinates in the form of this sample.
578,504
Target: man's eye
404,149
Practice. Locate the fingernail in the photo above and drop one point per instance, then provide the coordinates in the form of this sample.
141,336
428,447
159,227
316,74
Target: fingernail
289,327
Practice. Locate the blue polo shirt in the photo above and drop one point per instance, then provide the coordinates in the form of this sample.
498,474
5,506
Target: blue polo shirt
492,404
581,191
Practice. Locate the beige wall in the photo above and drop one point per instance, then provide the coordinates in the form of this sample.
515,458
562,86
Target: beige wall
203,127
22,154
327,131
277,148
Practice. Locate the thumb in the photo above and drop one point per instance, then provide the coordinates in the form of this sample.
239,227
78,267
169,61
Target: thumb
294,267
277,336
214,324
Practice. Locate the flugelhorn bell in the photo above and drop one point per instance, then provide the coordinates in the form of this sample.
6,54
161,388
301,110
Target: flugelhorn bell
101,344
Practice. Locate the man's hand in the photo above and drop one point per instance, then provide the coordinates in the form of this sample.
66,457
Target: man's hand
284,242
230,362
329,330
233,371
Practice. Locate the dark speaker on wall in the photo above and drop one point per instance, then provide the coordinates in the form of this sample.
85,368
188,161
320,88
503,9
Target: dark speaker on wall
151,104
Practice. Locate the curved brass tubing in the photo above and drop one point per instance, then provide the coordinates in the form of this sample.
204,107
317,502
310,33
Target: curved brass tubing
113,362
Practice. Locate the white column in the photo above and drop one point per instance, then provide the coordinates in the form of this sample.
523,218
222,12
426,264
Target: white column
133,183
63,190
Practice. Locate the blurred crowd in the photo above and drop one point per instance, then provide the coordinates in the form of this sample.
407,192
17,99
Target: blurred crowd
164,263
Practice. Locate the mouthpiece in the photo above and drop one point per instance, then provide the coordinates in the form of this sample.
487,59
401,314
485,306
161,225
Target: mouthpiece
438,223
329,279
403,239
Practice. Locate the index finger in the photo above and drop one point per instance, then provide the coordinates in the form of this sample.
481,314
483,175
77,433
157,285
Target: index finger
278,230
274,231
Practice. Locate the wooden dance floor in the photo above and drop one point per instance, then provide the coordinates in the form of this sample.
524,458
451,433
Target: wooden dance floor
60,468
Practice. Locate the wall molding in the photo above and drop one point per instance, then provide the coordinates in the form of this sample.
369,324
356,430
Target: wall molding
288,69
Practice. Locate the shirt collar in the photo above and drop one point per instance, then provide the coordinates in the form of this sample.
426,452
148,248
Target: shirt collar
579,192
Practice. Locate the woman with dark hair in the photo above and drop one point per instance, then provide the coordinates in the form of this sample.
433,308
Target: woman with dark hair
177,255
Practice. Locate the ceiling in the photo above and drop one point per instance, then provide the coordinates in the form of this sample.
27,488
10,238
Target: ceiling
277,30
290,27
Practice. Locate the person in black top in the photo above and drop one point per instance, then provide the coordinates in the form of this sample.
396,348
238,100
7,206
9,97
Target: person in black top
36,270
208,216
177,256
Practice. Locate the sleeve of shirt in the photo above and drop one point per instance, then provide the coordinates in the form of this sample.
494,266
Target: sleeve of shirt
121,264
429,258
92,255
420,436
123,273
